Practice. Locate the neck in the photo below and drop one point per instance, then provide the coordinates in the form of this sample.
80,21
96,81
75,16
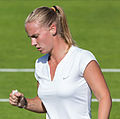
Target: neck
59,50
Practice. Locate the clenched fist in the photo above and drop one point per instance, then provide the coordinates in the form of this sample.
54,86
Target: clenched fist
17,99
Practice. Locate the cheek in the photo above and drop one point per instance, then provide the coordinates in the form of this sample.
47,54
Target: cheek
47,39
42,38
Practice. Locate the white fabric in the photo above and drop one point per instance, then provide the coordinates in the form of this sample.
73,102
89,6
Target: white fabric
68,96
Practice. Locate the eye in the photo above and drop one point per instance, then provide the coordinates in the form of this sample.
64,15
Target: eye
34,36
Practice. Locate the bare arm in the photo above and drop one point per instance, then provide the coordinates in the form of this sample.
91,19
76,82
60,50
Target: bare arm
95,80
34,104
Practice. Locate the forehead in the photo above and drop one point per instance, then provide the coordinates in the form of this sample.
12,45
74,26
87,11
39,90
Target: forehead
34,28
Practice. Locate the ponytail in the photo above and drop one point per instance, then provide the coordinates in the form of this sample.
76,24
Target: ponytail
65,32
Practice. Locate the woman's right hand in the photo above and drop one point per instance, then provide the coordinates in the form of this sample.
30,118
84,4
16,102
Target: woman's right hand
17,99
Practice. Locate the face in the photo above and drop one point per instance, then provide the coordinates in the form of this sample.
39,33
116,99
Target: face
41,37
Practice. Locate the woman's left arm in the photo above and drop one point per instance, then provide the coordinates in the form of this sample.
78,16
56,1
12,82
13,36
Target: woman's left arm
96,81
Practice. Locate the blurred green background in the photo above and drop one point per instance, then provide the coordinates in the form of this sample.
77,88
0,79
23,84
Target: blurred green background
95,26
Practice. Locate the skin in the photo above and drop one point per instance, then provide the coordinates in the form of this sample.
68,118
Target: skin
95,80
45,40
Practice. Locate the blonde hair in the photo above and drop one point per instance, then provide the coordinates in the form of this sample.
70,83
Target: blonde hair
46,16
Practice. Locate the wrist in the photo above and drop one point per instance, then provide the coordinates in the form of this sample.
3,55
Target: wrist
25,104
22,103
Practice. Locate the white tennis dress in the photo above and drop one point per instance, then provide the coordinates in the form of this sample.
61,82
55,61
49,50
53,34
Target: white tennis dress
68,96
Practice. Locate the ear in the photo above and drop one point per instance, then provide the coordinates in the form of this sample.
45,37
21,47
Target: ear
53,29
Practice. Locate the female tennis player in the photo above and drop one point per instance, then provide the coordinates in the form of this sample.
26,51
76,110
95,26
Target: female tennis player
66,75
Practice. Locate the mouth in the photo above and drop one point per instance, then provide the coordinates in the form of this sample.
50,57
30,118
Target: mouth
39,49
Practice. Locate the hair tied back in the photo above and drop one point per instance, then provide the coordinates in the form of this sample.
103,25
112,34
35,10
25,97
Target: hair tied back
54,8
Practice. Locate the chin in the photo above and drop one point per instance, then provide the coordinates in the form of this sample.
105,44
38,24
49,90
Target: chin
43,52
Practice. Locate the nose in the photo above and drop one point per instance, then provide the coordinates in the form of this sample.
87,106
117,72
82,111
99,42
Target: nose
33,42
